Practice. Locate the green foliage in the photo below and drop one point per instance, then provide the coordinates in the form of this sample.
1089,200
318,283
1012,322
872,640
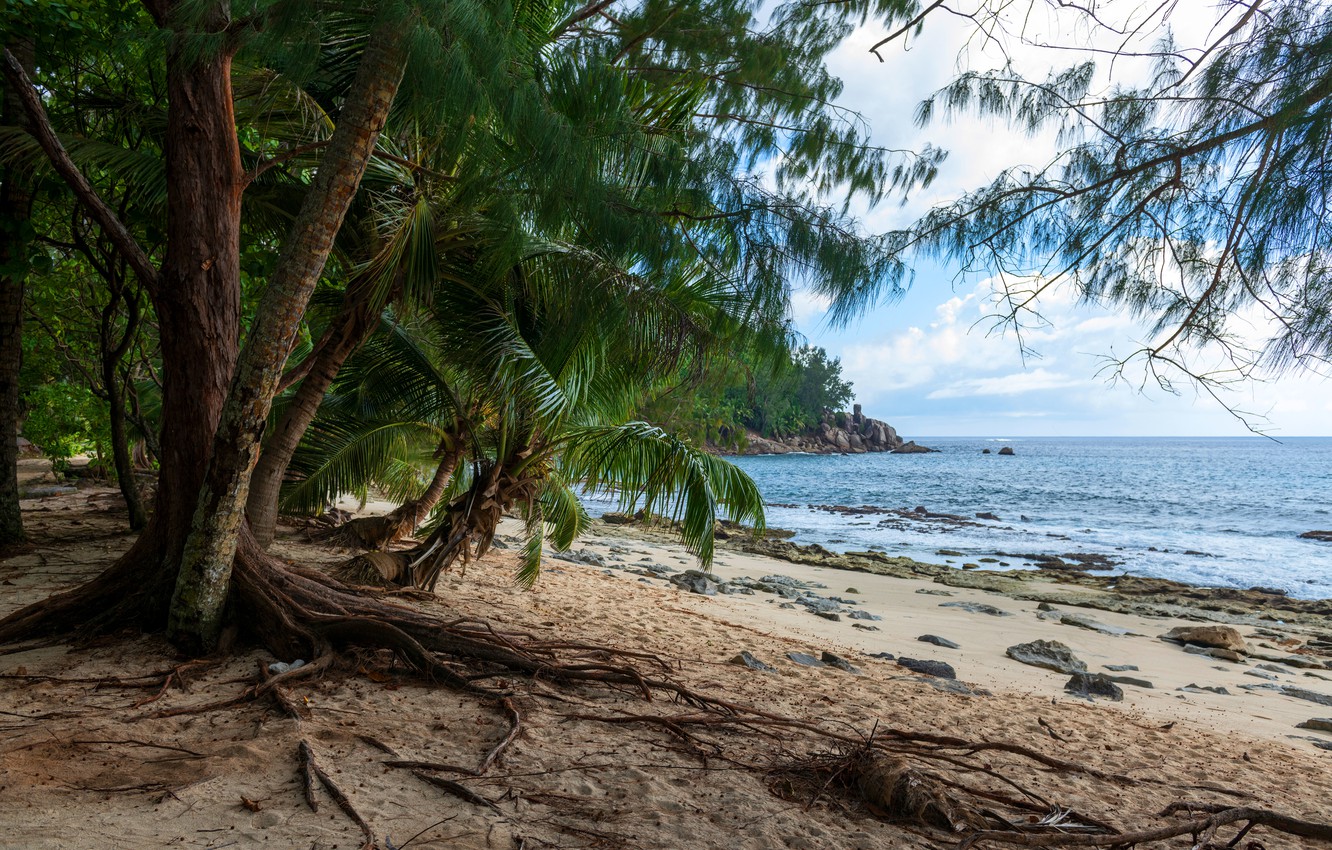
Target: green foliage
775,397
65,419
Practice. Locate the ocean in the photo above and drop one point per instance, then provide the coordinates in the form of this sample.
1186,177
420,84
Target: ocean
1206,511
1221,512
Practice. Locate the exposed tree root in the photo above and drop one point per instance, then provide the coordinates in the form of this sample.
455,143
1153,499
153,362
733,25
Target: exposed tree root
940,785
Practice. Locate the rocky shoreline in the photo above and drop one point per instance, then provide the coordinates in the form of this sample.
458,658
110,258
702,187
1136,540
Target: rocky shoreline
838,433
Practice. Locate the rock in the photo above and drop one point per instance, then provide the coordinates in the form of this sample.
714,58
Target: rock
852,590
886,656
277,668
929,591
1122,668
1318,724
938,641
1258,674
1082,621
839,662
582,556
864,627
1323,536
1007,451
1213,652
928,668
1129,680
955,686
829,615
804,660
1205,689
1305,694
989,516
986,451
863,615
817,604
744,659
1221,637
1050,654
911,449
695,581
976,608
1090,685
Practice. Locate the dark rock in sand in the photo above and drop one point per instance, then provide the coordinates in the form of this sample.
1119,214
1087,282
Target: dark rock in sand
1090,685
1082,621
929,591
1221,637
1324,536
744,659
886,656
928,668
864,627
1007,451
695,581
938,641
1205,689
839,662
804,660
829,615
1129,680
863,615
1318,724
976,608
1121,668
1050,654
955,686
1213,652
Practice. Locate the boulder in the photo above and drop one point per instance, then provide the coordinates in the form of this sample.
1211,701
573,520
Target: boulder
1221,637
839,662
1318,724
1324,536
986,451
928,668
938,641
1090,685
1050,654
745,659
911,449
695,581
1007,451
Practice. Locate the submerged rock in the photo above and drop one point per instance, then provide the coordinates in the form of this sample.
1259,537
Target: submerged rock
1050,654
1007,451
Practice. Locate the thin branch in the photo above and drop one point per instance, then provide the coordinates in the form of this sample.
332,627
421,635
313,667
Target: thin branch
41,129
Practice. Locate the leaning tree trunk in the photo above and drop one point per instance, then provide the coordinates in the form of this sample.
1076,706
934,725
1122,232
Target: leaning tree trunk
204,580
377,532
15,208
112,352
357,318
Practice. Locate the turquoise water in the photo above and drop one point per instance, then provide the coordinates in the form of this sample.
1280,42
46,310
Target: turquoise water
1242,502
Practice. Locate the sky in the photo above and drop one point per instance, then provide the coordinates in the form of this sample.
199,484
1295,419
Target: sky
936,363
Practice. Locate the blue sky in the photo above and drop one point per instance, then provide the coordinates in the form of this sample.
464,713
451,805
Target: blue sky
933,363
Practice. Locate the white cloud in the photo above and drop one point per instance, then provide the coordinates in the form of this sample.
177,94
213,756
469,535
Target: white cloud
1015,383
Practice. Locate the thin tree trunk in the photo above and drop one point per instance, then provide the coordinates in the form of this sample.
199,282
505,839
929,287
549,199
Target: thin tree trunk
111,355
357,318
376,532
203,582
15,209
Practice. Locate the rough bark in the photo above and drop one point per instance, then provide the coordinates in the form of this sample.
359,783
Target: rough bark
357,318
15,208
203,581
376,532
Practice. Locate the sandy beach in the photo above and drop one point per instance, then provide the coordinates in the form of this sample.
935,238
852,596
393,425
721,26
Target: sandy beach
93,757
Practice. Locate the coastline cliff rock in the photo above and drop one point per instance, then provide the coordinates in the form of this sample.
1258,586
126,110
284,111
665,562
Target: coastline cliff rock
838,433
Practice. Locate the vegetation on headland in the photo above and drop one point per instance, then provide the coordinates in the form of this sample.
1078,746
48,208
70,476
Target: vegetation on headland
779,395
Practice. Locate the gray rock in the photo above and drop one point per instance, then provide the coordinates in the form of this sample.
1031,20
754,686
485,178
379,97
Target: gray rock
1050,654
1129,680
786,605
863,615
839,662
929,591
1259,674
1205,689
804,660
1305,694
828,615
1318,724
1272,668
818,604
1214,652
886,656
864,627
928,668
956,686
976,608
1089,685
1122,668
745,659
695,581
938,641
1082,621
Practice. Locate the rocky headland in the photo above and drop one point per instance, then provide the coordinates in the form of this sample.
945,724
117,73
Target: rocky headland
838,433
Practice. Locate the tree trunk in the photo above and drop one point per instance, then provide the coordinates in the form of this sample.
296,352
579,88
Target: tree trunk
15,208
197,297
204,578
376,532
357,318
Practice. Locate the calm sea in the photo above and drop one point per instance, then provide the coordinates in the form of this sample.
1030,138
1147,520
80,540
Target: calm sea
1240,502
